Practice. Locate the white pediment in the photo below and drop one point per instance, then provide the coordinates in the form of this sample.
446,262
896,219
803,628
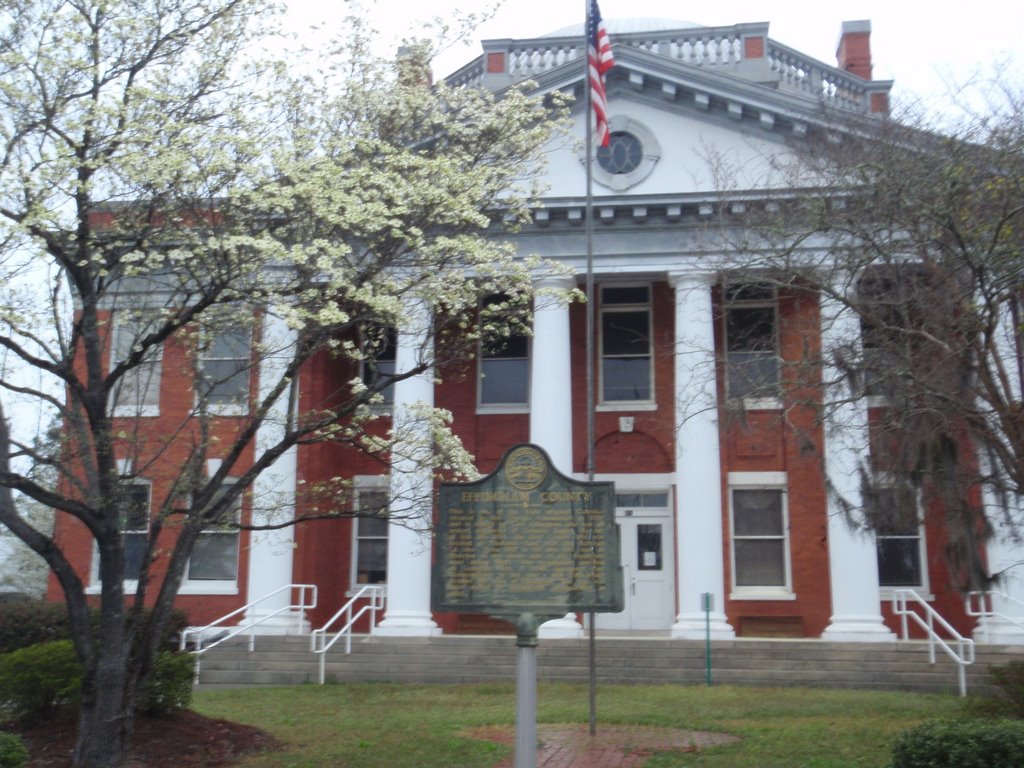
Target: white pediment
696,153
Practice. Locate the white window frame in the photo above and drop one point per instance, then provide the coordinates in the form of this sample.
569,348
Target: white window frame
129,585
605,309
522,406
363,484
190,586
149,369
764,402
757,481
883,481
235,408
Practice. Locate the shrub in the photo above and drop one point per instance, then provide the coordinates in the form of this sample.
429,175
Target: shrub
1009,679
1007,698
32,622
961,744
169,687
12,752
36,681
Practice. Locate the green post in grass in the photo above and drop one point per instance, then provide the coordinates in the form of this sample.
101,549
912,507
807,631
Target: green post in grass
707,604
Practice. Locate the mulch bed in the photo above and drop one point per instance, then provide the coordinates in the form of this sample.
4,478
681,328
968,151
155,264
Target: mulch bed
182,740
190,740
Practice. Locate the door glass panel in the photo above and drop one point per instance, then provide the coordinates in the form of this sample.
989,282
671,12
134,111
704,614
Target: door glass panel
648,547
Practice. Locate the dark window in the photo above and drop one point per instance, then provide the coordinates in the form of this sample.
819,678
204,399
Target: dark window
225,363
371,539
648,547
893,513
899,307
134,524
625,344
759,538
751,327
623,154
138,391
379,347
215,554
504,355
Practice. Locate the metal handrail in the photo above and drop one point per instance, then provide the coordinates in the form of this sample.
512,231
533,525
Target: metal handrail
964,653
979,605
307,600
318,642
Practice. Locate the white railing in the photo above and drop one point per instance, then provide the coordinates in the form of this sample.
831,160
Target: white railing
220,631
718,48
907,604
318,642
979,605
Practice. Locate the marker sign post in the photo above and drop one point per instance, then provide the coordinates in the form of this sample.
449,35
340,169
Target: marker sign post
527,544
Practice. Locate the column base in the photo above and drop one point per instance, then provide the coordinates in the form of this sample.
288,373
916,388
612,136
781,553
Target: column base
292,623
413,624
857,629
996,631
694,626
561,629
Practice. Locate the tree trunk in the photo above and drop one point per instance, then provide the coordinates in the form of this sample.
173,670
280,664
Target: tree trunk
106,716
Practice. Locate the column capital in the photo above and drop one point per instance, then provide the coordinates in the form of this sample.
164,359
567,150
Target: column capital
559,282
691,277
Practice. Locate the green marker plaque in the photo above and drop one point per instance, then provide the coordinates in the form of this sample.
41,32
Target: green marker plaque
527,539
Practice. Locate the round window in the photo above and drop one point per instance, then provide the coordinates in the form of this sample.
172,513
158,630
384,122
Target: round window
623,154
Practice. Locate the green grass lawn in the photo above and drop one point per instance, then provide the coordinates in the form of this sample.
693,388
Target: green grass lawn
390,725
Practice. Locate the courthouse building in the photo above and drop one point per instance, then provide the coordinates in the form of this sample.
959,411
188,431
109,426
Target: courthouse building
721,468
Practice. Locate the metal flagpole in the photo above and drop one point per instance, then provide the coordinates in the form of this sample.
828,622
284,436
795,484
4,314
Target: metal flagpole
589,222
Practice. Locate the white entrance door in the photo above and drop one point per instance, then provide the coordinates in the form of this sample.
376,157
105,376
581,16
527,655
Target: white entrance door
648,570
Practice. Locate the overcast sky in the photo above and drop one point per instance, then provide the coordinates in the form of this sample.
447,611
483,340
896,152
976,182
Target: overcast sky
921,46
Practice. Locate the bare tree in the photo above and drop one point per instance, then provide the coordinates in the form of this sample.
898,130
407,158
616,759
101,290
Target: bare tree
917,231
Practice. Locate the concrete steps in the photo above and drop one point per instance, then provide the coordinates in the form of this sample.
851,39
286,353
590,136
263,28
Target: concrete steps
620,659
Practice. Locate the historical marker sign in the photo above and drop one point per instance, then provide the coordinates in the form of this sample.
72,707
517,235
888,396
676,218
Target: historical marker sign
527,539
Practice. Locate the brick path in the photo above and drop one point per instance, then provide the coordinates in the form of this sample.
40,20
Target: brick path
614,746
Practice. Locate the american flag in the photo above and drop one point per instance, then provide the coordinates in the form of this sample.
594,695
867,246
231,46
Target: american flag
599,61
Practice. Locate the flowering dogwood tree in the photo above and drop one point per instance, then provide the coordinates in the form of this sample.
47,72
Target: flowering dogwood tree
168,194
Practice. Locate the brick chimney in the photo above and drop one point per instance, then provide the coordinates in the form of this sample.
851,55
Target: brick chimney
413,65
854,50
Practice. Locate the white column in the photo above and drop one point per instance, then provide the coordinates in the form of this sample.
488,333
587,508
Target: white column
1005,558
1006,547
551,374
411,485
853,558
551,400
270,552
699,537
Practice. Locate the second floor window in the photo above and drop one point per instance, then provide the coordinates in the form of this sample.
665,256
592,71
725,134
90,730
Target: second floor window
896,317
626,370
504,357
379,346
751,340
138,391
225,361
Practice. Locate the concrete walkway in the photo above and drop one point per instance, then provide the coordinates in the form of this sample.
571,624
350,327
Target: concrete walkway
613,746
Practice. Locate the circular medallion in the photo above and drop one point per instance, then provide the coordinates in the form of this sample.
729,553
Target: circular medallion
525,468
